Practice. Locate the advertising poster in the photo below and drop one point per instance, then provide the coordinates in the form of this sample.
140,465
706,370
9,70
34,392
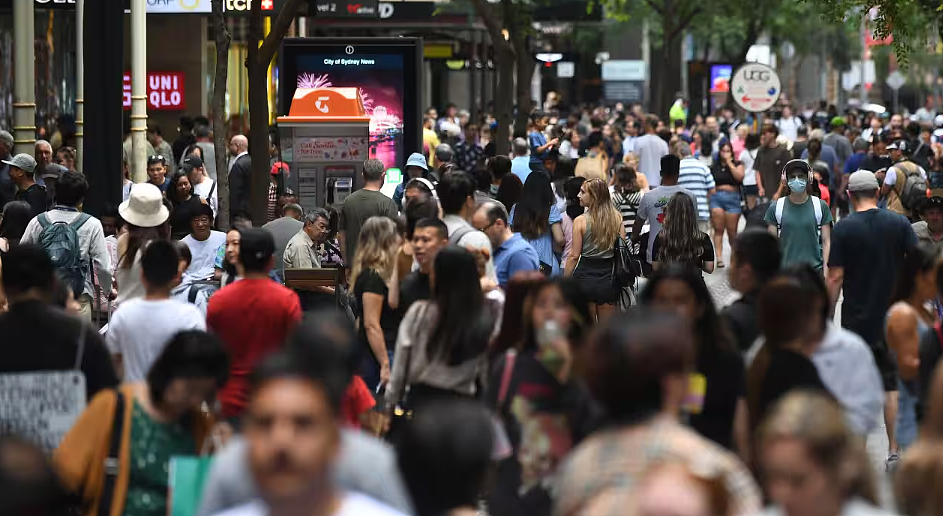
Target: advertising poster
384,70
720,78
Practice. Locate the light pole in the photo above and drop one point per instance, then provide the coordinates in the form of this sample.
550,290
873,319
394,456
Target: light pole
138,90
80,82
24,92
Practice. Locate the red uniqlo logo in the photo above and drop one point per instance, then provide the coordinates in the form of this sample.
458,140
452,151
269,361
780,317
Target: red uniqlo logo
268,5
353,8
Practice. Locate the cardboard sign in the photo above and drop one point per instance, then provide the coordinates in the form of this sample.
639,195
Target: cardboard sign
41,406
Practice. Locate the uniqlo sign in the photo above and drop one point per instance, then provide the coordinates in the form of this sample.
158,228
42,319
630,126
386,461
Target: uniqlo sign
164,91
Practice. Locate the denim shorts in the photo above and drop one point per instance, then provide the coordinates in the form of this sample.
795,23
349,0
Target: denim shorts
727,201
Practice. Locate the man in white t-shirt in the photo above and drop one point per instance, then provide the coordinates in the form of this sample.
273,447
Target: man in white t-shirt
650,148
141,328
204,244
652,207
292,430
789,124
201,182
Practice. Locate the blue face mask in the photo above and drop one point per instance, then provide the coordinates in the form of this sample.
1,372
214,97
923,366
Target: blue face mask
797,185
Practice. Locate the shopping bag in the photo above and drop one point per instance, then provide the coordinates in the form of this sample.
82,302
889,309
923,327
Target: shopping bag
185,487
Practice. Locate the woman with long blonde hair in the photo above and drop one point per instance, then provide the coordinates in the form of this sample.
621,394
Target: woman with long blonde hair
372,272
591,253
811,462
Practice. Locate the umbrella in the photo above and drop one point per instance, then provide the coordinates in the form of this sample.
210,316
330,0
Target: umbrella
874,108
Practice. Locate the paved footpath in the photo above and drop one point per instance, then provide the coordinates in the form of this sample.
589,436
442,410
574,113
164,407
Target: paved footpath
877,441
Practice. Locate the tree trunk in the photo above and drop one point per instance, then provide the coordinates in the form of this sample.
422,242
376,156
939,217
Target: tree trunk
258,121
524,70
223,38
503,101
670,76
257,62
504,59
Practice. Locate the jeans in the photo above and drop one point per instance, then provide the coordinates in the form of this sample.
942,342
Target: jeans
727,201
907,397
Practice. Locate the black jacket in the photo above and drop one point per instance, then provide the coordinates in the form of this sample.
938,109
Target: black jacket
35,196
240,179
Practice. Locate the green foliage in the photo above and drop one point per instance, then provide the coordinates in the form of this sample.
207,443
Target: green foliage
910,22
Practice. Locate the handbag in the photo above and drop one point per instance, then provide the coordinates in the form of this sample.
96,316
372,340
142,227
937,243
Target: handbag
625,267
401,411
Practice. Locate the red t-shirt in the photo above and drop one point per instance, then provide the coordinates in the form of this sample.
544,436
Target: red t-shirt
826,196
252,317
357,400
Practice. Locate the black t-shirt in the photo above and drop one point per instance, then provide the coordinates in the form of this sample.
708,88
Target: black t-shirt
869,246
723,175
544,421
40,337
787,370
414,287
181,215
707,249
370,281
875,163
743,321
726,384
35,196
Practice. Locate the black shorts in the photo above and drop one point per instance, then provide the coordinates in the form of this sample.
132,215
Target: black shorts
886,365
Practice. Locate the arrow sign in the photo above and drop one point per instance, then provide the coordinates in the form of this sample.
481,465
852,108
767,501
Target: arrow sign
745,99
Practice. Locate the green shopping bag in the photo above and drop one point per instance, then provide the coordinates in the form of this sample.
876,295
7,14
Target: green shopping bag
187,477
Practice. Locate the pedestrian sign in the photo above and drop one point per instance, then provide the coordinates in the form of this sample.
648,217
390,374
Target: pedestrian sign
896,80
755,87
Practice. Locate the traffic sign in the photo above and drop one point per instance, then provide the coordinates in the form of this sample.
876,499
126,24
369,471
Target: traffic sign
896,80
566,69
755,87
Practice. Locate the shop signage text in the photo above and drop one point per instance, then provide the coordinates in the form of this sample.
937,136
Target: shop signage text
164,91
246,5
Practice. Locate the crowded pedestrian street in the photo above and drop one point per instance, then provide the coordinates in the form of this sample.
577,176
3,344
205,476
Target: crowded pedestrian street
410,258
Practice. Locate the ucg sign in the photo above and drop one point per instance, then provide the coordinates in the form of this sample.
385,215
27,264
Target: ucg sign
756,75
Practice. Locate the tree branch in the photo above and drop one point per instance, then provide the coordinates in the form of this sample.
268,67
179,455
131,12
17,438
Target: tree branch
683,24
279,29
490,21
655,7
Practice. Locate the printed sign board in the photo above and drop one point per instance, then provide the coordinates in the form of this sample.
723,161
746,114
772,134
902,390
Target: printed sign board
755,87
42,406
164,91
330,149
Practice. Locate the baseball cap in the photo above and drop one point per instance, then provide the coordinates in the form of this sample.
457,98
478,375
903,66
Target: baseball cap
417,160
193,162
53,171
900,145
837,122
862,181
24,162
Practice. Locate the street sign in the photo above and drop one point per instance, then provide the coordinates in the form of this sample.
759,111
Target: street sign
755,87
624,70
566,69
896,80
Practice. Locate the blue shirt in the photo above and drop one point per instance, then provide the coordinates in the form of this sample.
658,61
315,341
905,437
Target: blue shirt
854,162
520,166
543,244
537,139
514,256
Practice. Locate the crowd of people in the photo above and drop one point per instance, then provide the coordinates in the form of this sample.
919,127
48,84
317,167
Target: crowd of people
520,334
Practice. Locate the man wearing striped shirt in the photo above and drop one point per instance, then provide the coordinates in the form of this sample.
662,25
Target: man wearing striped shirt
696,177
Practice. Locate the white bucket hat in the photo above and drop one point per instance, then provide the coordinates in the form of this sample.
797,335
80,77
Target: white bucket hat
145,207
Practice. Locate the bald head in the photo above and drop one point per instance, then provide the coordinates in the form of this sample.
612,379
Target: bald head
238,144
